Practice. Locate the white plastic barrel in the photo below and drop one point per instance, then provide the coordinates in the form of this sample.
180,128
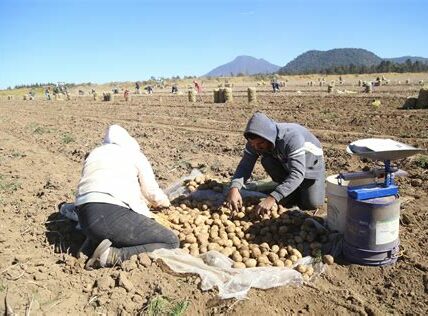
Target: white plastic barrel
337,201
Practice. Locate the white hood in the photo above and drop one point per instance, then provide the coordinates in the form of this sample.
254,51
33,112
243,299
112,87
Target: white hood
117,135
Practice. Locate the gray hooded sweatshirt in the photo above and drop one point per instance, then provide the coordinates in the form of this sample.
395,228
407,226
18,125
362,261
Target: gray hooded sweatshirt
295,147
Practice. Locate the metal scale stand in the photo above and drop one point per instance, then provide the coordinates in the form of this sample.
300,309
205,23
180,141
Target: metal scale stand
373,210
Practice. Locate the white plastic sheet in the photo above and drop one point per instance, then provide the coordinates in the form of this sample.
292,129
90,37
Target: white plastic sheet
215,271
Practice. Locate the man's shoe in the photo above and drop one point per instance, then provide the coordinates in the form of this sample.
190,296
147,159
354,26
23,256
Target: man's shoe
100,255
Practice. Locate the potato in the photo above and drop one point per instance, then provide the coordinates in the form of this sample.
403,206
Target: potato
191,188
213,246
250,236
244,242
273,257
230,229
218,222
255,252
250,263
213,233
220,242
264,246
310,271
236,256
240,234
215,216
305,277
301,268
181,236
191,239
297,253
275,248
200,179
223,218
261,264
288,263
239,265
199,220
193,183
223,234
203,248
278,263
263,259
226,251
245,253
240,215
228,242
328,259
231,235
215,227
293,258
236,241
282,253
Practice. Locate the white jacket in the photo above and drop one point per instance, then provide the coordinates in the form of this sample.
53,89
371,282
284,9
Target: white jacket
118,173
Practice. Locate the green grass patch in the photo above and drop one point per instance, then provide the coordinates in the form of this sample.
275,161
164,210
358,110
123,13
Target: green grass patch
37,129
17,154
67,138
422,161
8,185
160,305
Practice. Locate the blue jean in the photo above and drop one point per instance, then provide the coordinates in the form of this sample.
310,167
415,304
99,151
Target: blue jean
308,196
130,232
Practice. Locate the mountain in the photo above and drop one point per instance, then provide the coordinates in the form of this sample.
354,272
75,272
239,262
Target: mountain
315,60
402,60
246,65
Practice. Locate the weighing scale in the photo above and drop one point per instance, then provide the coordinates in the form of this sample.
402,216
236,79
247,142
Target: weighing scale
379,150
371,235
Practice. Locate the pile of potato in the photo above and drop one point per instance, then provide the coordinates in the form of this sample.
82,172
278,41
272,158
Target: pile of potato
202,182
278,239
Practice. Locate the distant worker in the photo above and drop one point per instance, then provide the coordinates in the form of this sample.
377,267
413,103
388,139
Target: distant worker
149,89
137,88
126,94
198,87
48,93
275,85
174,88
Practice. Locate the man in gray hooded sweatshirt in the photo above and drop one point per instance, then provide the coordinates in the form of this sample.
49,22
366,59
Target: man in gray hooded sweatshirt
293,158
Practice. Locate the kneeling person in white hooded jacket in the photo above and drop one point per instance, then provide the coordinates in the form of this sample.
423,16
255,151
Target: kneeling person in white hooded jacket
115,189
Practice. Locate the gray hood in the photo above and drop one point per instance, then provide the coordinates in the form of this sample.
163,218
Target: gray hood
261,125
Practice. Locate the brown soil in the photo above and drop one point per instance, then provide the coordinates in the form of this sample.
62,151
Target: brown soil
41,150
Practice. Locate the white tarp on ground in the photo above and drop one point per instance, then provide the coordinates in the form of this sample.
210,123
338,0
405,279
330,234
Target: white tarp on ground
215,271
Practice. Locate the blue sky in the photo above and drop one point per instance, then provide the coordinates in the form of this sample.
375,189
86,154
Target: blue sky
127,40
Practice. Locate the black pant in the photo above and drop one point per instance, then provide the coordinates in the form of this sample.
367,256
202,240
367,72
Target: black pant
308,196
130,232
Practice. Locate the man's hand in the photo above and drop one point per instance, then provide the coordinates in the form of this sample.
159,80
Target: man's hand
264,206
234,199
